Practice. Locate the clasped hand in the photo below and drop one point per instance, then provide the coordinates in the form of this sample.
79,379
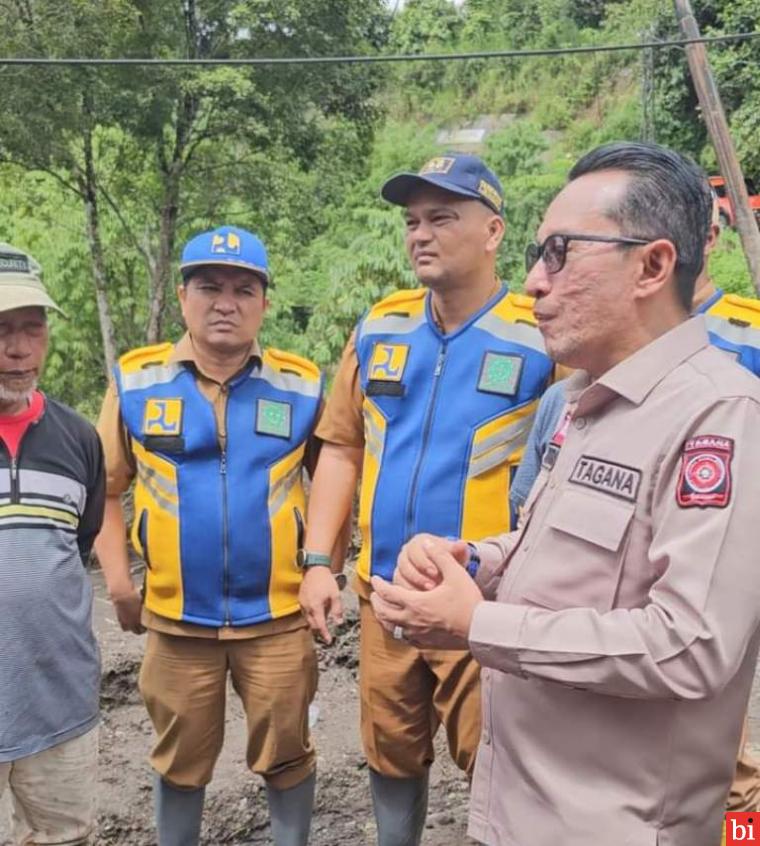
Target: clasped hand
432,597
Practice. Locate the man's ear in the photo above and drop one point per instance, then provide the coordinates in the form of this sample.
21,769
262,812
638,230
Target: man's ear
496,230
657,267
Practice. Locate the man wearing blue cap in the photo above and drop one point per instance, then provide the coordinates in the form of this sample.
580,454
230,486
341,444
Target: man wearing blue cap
432,404
214,430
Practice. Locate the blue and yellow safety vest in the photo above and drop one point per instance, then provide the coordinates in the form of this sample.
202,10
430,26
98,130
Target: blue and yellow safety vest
733,323
219,529
446,418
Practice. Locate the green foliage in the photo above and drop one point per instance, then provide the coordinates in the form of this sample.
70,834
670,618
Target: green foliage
516,150
728,266
298,154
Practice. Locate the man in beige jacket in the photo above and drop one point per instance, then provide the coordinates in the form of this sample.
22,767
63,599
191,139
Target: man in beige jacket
618,628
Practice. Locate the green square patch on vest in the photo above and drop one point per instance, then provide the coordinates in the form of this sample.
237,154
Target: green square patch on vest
273,418
162,417
500,373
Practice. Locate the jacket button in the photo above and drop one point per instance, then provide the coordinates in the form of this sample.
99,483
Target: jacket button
579,422
486,738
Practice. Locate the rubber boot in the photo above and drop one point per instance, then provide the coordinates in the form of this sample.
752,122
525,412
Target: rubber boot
400,808
178,813
290,812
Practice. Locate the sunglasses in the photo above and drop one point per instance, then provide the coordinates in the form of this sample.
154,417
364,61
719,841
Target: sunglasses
554,249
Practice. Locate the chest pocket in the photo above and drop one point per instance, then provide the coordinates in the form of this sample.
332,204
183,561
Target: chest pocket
577,554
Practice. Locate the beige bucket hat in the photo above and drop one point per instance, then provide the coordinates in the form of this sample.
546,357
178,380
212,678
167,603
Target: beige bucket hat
21,281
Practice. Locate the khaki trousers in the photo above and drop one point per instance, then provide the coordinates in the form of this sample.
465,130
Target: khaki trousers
745,789
53,793
406,693
183,681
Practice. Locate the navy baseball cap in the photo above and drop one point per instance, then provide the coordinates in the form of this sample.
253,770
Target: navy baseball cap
459,173
226,245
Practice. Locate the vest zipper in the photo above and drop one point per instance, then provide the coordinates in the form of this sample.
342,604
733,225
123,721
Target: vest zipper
439,362
225,538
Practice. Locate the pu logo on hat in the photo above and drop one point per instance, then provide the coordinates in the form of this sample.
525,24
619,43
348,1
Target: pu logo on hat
228,244
485,189
440,164
13,263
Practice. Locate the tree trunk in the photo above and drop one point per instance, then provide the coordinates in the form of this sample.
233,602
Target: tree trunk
88,188
161,272
172,164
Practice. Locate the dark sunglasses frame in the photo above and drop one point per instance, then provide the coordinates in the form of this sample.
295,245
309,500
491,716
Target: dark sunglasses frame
534,252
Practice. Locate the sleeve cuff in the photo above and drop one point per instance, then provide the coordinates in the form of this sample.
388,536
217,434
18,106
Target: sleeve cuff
495,635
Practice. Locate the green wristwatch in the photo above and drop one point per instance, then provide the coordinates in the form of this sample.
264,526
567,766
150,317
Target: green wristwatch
306,559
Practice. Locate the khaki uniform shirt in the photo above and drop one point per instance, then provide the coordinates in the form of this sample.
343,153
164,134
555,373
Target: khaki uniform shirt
121,470
343,422
620,632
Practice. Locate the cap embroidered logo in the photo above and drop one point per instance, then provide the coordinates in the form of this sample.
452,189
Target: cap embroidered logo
440,164
487,190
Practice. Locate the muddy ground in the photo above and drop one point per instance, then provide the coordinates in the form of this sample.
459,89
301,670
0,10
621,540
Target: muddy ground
236,801
236,808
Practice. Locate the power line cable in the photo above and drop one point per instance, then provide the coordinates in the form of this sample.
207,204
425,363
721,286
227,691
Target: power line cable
378,58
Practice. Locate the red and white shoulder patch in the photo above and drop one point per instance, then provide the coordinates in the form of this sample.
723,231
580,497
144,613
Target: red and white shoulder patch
705,478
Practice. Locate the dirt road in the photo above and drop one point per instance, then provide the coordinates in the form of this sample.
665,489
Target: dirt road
236,801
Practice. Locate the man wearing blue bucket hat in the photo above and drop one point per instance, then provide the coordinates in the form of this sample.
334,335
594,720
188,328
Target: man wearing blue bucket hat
431,405
214,430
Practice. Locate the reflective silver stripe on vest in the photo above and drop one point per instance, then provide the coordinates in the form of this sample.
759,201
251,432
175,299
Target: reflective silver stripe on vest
517,333
373,437
158,488
393,324
157,374
287,381
497,448
746,336
282,488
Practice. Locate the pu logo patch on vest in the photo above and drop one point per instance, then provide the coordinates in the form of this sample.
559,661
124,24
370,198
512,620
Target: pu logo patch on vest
500,374
273,418
607,476
386,369
163,417
388,362
705,480
228,244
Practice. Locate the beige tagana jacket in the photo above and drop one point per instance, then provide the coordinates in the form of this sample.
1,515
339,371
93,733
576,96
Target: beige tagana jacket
619,634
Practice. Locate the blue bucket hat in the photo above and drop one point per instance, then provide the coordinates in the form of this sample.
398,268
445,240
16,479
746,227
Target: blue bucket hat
459,173
226,245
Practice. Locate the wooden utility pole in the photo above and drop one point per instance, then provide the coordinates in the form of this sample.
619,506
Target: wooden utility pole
715,119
